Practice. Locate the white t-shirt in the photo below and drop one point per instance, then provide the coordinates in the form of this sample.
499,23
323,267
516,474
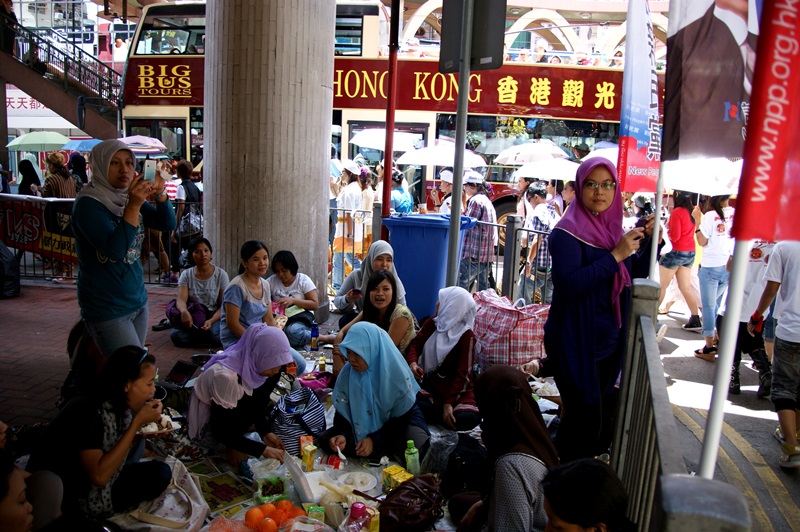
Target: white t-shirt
444,208
206,292
754,283
718,233
784,268
301,285
350,201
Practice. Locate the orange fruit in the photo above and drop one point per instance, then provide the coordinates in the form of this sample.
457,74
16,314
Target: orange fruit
279,517
267,525
284,504
296,512
253,517
268,509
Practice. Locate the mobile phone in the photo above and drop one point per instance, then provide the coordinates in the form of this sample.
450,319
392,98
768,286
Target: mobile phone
356,291
149,170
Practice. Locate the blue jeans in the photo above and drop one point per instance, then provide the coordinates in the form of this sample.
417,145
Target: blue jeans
299,334
469,270
543,281
299,360
713,282
112,334
339,259
196,337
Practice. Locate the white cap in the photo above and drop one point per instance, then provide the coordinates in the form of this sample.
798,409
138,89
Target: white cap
471,176
351,166
446,176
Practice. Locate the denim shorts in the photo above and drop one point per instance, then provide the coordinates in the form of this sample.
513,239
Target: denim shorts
675,259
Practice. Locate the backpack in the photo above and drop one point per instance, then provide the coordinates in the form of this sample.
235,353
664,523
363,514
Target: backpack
467,468
297,414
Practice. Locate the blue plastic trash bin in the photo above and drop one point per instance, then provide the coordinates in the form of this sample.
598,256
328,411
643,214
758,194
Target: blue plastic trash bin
420,256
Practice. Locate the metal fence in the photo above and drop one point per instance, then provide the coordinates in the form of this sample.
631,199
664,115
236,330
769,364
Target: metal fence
54,56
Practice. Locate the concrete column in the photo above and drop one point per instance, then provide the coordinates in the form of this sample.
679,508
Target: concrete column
268,109
4,154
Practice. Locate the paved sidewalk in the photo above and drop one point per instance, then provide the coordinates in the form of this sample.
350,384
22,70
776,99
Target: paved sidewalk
33,346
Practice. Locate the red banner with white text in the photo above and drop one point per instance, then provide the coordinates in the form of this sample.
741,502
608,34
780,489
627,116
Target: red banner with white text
770,185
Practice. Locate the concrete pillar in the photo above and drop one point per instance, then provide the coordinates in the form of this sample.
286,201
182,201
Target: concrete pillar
4,154
268,109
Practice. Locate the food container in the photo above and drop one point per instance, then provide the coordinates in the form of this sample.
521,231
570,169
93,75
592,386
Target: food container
270,489
393,476
308,457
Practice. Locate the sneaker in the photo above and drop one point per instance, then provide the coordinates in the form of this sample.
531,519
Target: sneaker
661,332
790,457
693,324
779,435
164,278
173,278
764,385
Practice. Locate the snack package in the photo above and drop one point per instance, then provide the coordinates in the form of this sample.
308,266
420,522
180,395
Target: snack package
393,476
270,489
309,451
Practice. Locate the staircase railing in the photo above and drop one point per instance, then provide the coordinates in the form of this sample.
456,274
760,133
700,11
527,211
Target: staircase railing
54,56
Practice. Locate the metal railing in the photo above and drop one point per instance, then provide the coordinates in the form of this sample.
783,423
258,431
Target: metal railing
54,56
350,234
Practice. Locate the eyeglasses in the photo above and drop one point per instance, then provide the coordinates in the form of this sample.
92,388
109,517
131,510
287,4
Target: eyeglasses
607,185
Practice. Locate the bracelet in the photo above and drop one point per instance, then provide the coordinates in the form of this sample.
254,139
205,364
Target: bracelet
696,231
163,193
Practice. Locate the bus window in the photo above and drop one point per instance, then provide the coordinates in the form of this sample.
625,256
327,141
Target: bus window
180,29
171,132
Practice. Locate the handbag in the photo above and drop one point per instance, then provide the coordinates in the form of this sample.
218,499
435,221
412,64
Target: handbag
297,414
180,507
413,506
191,223
506,333
198,311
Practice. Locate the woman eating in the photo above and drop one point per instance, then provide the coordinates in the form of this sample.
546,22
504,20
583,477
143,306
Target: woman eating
88,443
520,450
201,284
248,299
374,396
380,256
441,358
108,221
232,395
584,333
382,309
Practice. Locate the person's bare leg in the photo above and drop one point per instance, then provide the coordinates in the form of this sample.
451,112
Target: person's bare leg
164,259
788,421
665,276
684,276
769,346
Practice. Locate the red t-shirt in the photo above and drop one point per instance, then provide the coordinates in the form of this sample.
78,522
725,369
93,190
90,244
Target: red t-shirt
681,230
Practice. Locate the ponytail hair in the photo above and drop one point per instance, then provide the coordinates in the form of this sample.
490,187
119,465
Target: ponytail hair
716,204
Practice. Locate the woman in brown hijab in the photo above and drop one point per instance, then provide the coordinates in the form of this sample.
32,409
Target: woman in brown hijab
519,446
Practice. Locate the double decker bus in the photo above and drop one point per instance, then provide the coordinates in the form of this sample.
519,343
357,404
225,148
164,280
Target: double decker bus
573,106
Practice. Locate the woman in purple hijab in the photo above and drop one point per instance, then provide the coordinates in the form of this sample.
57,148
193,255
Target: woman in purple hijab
233,393
584,334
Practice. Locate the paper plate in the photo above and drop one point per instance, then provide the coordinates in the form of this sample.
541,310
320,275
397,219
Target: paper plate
358,480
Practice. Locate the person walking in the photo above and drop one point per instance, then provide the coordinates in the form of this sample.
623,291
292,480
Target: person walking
479,241
678,262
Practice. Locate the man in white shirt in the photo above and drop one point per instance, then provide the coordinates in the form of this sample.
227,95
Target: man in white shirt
783,278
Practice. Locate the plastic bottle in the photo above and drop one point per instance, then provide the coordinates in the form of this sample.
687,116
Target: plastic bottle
357,519
412,458
314,336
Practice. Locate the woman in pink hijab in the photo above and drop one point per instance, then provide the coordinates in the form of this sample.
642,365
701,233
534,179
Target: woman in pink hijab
593,261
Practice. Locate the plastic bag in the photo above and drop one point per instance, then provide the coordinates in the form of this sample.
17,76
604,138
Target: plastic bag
223,524
291,525
442,445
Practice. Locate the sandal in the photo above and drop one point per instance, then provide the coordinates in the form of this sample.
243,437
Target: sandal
162,325
706,353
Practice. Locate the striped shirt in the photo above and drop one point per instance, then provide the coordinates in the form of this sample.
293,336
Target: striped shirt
56,186
171,187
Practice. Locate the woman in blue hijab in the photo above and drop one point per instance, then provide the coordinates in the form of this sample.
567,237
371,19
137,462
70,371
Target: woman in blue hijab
376,411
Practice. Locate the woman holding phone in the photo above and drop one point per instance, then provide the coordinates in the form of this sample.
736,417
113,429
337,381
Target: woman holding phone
108,221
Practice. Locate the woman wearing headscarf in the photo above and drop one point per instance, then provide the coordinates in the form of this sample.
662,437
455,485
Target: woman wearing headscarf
77,165
29,183
380,256
108,221
233,392
375,398
584,333
441,358
521,451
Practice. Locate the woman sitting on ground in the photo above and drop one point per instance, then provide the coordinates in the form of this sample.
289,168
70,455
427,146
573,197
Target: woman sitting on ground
521,450
248,300
441,357
374,396
232,395
380,256
382,309
296,293
203,284
88,443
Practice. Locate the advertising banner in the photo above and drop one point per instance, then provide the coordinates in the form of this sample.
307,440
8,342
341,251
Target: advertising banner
640,134
38,225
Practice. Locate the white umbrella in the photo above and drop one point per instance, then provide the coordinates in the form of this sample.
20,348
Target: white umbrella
560,169
443,154
612,154
38,141
711,177
495,145
375,139
142,140
530,152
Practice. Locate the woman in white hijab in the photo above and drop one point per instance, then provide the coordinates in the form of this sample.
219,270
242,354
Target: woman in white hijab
441,357
108,221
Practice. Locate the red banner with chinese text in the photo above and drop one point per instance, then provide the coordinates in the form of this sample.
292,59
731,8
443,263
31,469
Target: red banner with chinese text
516,89
770,184
38,225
